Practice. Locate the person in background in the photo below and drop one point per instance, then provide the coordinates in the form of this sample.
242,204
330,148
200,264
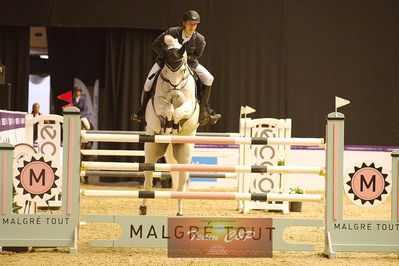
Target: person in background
80,102
36,109
35,112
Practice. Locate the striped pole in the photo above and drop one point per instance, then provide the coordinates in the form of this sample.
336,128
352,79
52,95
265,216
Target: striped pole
155,174
200,195
86,137
209,134
201,168
142,153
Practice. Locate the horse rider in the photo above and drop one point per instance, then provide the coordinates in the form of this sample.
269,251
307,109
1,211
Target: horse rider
195,45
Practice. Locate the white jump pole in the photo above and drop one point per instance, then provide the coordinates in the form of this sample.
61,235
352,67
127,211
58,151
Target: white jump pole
155,174
214,134
141,153
86,137
200,195
201,168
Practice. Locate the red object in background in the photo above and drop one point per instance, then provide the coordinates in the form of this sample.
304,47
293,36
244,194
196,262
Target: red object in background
67,105
67,96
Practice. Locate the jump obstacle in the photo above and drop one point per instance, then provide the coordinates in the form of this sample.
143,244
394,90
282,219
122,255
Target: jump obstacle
264,155
199,195
200,138
44,230
102,152
105,173
201,167
141,153
86,137
38,229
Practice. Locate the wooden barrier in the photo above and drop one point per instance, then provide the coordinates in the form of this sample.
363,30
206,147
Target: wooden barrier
86,137
199,195
155,174
208,134
340,234
141,153
201,168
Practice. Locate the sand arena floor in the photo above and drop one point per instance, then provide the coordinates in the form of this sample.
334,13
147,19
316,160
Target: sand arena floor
88,255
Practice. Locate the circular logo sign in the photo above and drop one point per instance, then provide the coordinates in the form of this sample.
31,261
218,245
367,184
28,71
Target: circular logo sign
366,185
36,180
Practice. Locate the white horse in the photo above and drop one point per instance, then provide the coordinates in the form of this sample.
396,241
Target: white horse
172,110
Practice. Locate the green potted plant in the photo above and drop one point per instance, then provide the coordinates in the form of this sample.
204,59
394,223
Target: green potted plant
15,206
296,206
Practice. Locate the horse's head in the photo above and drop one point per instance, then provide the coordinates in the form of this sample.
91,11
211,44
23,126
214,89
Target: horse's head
176,54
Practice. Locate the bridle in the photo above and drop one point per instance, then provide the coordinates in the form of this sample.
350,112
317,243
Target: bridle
185,77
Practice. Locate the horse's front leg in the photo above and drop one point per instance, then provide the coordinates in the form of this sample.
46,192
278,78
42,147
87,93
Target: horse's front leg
183,154
153,151
166,110
184,111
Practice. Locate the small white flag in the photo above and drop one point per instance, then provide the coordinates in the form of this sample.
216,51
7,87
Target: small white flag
339,102
247,110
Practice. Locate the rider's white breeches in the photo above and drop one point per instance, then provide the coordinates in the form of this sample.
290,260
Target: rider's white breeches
203,74
148,82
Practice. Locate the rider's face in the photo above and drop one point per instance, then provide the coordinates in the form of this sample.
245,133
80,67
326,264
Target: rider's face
189,27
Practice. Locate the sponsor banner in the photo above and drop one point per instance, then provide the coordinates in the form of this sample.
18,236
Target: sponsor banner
220,237
12,127
49,141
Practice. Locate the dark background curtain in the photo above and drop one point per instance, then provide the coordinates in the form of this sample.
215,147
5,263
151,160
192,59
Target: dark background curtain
349,49
74,53
14,54
287,59
119,58
128,59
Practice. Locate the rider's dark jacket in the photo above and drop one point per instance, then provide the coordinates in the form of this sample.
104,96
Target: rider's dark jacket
194,47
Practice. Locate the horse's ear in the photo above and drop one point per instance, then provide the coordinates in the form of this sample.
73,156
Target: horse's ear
182,49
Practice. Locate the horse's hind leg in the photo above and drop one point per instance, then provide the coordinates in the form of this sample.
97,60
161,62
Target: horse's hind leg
182,154
153,152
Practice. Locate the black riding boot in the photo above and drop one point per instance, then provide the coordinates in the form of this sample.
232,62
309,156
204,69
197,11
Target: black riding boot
207,115
140,114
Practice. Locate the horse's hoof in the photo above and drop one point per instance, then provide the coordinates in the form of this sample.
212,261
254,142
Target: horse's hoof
179,214
143,210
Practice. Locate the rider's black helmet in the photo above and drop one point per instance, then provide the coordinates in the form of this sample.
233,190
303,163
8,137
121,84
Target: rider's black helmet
191,15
